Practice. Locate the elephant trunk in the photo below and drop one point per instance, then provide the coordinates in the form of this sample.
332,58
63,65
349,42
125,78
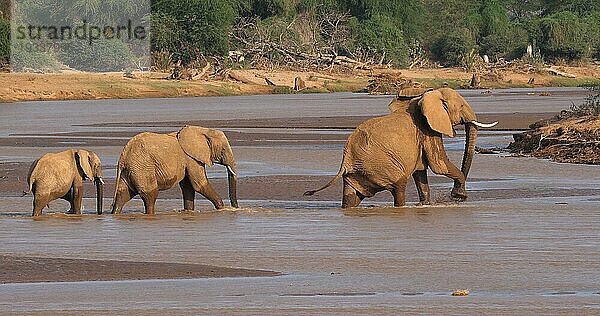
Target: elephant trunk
232,179
99,194
471,137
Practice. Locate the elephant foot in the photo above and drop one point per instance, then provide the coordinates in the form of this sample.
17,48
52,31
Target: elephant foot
459,194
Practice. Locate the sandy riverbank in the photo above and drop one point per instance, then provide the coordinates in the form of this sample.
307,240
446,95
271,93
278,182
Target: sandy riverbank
77,85
15,269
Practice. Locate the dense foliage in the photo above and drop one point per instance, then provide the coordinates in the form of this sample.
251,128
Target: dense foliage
445,30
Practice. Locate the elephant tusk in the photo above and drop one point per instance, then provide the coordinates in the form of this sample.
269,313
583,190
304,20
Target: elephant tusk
101,180
231,170
483,124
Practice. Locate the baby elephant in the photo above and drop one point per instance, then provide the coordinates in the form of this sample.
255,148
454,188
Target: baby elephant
61,175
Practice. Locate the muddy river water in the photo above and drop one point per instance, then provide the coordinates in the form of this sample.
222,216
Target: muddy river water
527,241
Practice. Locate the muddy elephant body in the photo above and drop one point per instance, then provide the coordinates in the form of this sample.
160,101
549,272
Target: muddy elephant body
61,175
384,152
370,162
152,162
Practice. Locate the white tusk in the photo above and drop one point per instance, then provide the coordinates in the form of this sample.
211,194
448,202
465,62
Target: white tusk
231,170
483,124
101,180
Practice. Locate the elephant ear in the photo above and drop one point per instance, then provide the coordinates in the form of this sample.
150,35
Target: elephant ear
195,144
433,108
83,161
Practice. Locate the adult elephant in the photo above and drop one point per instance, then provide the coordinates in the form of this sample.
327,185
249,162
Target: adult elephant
383,152
152,162
61,175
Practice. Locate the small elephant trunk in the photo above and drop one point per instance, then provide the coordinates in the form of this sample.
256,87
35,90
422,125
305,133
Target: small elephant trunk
99,194
232,178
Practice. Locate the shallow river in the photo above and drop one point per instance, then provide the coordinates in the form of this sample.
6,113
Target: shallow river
526,242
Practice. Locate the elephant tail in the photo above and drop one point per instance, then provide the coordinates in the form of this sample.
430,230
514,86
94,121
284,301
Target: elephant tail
337,177
117,181
31,178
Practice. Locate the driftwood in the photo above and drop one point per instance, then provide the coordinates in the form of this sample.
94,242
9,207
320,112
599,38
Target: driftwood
475,81
559,73
203,72
236,76
179,72
299,84
270,82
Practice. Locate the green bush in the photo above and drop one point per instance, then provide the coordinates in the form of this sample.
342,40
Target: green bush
38,60
4,41
201,27
378,35
498,38
103,55
450,49
592,26
563,37
509,45
409,15
591,106
165,32
268,8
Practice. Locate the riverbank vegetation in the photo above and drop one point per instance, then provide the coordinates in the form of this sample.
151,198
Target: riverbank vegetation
399,33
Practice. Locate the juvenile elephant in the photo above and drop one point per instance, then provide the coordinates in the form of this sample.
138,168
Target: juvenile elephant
61,175
153,162
383,152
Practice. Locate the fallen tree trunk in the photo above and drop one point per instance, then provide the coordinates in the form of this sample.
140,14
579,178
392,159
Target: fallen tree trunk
236,76
559,73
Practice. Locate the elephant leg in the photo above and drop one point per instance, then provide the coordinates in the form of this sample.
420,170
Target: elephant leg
212,195
399,193
149,199
77,197
122,196
440,164
351,197
69,198
197,177
187,190
39,202
458,191
422,184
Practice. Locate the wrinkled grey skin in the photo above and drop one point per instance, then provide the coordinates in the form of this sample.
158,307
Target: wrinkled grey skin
152,162
61,175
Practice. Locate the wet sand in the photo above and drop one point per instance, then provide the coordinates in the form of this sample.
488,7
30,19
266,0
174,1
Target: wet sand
525,242
35,270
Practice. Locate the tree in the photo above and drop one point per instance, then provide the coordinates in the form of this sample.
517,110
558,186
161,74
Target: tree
193,27
379,36
563,36
408,15
498,37
4,40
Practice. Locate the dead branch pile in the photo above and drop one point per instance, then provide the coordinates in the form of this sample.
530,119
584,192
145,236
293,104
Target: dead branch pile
517,66
309,42
179,72
390,84
572,140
